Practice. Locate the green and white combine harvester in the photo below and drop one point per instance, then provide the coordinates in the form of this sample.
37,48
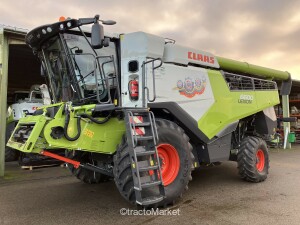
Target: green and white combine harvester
145,111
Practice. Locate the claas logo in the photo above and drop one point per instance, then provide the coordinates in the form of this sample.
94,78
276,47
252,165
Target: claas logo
201,57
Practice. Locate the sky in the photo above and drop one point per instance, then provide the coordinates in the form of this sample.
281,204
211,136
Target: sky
262,32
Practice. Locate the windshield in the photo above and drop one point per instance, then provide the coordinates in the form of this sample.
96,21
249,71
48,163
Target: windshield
77,72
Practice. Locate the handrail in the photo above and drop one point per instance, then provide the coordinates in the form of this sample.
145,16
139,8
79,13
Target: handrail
153,79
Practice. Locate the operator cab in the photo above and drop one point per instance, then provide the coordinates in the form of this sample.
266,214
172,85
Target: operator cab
79,66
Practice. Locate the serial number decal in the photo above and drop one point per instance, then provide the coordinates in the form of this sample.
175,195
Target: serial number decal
245,99
88,133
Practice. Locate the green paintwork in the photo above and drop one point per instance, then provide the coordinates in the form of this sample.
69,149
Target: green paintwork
30,145
226,108
243,67
100,138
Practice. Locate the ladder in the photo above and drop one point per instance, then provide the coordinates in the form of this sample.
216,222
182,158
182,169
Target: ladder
142,138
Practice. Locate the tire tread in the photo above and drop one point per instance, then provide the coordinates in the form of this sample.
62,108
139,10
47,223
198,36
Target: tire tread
246,159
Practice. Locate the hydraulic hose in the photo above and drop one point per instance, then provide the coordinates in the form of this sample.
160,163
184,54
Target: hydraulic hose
95,120
67,125
78,124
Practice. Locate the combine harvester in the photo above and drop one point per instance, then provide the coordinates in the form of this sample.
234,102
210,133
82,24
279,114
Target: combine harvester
145,111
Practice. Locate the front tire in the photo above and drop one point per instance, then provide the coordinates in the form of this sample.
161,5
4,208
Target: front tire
253,159
173,147
86,176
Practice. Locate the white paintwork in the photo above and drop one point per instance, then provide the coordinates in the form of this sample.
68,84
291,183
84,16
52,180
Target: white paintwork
142,46
45,92
137,46
18,109
270,112
26,106
166,78
182,55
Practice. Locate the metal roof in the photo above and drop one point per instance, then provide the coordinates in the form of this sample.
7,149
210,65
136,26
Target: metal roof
12,29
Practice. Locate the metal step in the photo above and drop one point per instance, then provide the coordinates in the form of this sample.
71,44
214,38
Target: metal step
141,151
144,152
151,184
144,138
151,200
148,168
144,146
145,124
140,111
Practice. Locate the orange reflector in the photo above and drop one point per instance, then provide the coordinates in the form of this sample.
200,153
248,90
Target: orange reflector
62,18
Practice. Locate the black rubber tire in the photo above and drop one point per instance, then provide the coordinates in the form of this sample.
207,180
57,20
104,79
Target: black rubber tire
86,176
246,159
10,154
168,132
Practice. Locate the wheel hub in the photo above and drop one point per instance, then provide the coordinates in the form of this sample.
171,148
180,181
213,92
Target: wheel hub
169,161
260,160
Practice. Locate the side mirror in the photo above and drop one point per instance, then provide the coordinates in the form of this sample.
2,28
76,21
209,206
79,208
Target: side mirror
97,35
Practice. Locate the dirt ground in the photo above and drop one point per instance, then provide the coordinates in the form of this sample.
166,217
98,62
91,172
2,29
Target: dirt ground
215,196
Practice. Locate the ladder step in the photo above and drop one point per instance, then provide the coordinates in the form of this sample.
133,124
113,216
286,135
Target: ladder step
151,184
139,111
151,200
140,151
141,135
144,138
145,124
148,168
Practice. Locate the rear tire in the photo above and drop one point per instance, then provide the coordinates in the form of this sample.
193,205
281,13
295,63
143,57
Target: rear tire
86,176
169,134
10,154
253,159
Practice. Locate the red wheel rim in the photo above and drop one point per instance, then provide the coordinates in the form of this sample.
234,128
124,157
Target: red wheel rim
170,163
260,160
